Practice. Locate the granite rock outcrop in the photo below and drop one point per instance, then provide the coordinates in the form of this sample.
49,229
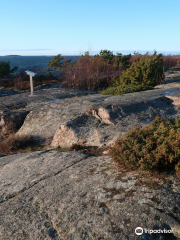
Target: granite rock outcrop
70,195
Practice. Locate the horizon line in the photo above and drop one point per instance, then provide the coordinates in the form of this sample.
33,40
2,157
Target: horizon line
79,53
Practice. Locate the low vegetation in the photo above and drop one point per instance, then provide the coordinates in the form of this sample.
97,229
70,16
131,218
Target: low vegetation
90,150
12,143
122,89
15,143
21,82
155,148
10,128
95,72
171,61
147,71
106,70
91,73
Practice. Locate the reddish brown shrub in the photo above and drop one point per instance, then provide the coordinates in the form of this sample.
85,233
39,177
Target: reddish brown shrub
22,82
91,73
171,61
135,58
7,83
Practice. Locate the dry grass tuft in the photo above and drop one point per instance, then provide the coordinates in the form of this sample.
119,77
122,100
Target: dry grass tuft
90,150
15,143
10,128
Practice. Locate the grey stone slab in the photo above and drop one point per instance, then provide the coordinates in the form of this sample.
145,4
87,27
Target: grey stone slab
52,195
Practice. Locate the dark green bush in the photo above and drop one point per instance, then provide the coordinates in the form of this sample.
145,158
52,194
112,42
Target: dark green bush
155,147
123,61
107,56
146,70
56,63
125,89
119,61
5,69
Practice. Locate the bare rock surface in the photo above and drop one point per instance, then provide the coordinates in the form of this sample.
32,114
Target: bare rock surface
109,119
67,116
69,195
172,75
15,107
6,92
43,94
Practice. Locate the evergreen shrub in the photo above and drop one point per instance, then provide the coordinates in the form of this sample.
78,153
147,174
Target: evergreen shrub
146,70
155,147
5,69
125,89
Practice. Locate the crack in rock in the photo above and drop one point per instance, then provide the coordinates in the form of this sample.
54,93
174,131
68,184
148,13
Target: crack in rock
5,197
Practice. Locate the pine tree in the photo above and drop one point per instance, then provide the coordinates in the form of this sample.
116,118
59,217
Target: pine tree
56,63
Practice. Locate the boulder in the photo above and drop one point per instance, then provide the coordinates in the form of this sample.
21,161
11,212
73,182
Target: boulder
15,108
108,120
6,92
70,195
176,100
43,122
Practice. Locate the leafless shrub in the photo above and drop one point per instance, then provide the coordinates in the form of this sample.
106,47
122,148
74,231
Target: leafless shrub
91,73
171,61
22,81
7,83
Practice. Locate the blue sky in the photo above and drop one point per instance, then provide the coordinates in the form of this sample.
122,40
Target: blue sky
50,27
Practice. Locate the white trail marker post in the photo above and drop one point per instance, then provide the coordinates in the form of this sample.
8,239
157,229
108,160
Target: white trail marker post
31,74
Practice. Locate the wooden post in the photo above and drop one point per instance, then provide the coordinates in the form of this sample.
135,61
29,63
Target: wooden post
31,84
31,75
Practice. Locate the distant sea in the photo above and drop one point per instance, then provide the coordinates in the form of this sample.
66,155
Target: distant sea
25,62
